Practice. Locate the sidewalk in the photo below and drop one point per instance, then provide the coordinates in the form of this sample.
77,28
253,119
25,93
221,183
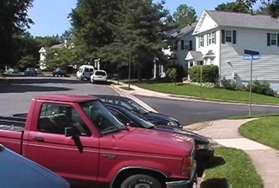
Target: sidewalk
148,93
225,133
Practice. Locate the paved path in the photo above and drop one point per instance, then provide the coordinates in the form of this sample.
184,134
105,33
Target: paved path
225,133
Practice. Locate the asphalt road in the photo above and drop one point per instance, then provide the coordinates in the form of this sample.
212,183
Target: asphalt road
193,112
16,96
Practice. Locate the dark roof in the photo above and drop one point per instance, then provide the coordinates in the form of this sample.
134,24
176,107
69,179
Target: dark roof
187,29
67,98
233,19
177,33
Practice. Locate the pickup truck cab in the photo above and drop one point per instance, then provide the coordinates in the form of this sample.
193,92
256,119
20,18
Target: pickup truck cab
78,138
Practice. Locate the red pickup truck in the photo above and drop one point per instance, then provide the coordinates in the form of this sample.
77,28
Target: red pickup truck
78,138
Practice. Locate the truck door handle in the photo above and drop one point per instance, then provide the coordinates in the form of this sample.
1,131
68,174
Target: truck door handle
39,139
110,156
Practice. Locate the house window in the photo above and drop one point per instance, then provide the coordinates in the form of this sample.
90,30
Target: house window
201,41
228,36
182,44
273,39
213,35
209,38
175,45
190,45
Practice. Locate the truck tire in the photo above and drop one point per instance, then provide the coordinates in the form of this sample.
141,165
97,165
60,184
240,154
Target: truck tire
140,181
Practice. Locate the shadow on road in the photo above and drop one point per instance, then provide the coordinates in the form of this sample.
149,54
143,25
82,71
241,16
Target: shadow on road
45,80
15,88
215,183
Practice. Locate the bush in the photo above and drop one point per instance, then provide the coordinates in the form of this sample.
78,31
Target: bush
172,74
262,88
179,73
210,73
229,84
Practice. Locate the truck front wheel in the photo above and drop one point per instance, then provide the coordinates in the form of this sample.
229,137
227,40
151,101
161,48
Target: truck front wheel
140,181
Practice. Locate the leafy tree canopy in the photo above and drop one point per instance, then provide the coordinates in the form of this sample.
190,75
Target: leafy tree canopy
185,15
14,20
234,7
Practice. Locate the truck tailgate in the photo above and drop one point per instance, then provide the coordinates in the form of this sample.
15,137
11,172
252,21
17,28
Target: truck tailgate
11,139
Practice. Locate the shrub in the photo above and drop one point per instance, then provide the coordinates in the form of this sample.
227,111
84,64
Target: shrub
172,74
262,88
210,73
229,84
180,73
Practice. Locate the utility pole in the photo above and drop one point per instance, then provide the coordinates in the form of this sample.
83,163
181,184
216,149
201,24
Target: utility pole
129,74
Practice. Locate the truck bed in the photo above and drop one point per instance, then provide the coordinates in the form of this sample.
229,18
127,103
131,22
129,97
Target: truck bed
12,124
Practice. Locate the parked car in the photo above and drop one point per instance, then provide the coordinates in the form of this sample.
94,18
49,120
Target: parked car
30,72
204,150
59,72
98,76
18,172
155,118
84,72
78,137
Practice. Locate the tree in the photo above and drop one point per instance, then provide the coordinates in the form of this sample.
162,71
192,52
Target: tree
272,6
139,35
184,15
27,51
119,31
14,20
93,23
48,41
234,7
61,57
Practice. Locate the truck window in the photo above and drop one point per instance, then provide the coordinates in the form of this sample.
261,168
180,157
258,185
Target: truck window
102,117
54,118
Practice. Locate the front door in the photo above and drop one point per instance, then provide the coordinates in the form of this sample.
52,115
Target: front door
49,146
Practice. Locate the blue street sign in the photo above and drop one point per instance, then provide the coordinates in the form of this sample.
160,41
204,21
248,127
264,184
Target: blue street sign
249,57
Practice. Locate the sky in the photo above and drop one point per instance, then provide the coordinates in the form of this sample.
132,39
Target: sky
51,16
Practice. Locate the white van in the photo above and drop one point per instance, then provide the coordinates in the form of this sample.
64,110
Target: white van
85,72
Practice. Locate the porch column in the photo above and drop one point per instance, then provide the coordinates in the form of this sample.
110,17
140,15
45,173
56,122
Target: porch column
155,71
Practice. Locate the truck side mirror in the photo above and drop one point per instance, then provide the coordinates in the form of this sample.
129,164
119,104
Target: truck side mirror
74,133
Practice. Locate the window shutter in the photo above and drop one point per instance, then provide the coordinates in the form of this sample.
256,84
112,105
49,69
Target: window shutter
234,37
268,39
223,36
278,39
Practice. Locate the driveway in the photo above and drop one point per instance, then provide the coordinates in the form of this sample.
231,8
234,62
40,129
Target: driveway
16,96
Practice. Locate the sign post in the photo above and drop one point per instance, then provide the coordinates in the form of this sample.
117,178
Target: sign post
251,55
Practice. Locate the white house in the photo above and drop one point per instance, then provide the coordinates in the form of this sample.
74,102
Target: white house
43,52
183,42
221,38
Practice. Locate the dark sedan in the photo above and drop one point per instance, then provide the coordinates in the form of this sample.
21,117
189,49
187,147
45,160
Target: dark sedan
204,151
155,118
59,72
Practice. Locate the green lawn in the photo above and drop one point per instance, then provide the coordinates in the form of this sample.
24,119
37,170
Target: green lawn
213,94
235,171
264,130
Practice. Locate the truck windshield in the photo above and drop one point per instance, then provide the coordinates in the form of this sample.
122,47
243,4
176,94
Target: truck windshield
102,118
